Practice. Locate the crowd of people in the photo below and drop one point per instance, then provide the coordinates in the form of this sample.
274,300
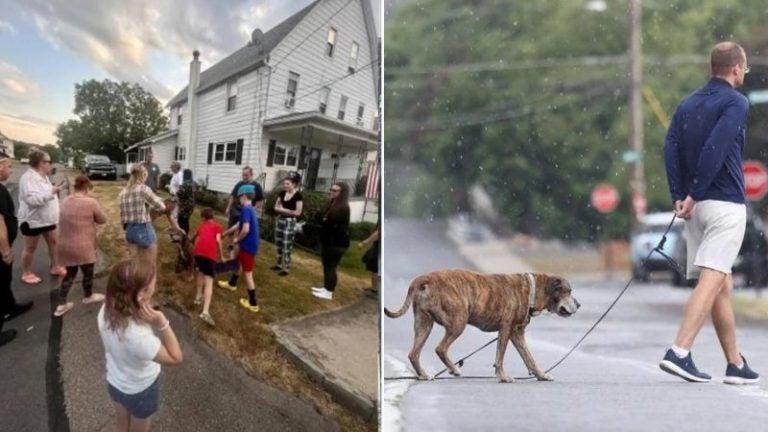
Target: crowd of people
137,337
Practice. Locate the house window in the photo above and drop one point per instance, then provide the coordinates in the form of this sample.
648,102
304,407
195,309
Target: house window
360,113
225,152
342,107
231,96
324,92
290,93
179,115
286,155
331,42
353,58
180,153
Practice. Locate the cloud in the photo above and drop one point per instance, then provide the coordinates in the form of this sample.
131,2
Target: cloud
6,27
120,37
27,128
15,86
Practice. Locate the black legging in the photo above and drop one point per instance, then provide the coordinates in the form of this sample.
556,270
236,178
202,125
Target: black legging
331,256
183,223
66,284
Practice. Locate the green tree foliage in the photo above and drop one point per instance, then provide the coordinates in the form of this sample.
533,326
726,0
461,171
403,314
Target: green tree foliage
111,116
530,99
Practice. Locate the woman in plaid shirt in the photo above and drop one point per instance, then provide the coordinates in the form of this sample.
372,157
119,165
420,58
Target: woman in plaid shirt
135,200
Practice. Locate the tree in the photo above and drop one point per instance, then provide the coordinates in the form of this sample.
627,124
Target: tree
530,100
111,117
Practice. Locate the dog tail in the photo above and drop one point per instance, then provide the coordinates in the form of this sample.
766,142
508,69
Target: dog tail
419,282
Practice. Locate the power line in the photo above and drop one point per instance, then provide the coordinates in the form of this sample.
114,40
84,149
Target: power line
323,85
472,119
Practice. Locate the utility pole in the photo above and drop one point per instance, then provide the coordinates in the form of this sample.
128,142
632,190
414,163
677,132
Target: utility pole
637,176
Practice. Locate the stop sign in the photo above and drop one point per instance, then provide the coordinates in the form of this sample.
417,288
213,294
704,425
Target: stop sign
604,198
755,180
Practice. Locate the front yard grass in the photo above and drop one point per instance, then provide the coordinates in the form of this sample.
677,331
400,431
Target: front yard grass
241,335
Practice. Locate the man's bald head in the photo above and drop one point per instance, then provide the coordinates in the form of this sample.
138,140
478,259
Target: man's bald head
726,55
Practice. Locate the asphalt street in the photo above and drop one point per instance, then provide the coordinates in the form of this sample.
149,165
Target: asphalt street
27,366
610,383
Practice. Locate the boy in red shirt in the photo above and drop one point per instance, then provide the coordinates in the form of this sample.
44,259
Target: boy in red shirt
207,251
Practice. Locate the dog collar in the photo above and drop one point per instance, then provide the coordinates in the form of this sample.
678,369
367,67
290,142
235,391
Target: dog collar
531,293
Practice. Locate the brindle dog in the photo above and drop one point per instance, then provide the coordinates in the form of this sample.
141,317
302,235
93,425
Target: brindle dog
493,302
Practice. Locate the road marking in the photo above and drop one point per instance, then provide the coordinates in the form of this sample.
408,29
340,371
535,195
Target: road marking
393,393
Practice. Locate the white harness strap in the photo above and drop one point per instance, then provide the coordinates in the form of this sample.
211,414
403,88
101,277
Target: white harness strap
531,292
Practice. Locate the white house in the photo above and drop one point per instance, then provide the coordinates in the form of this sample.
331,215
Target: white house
7,145
303,96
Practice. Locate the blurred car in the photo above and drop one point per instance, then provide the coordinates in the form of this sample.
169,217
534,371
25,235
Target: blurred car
99,166
464,227
751,263
647,236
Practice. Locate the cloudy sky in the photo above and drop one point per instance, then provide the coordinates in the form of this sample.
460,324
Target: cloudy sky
46,46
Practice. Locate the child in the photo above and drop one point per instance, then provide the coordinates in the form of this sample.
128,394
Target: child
134,351
247,236
207,250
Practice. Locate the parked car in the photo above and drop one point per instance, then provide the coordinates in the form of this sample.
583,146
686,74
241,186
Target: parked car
751,263
99,166
645,239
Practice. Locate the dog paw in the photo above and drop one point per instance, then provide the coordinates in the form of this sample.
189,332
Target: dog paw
506,378
545,377
426,377
455,372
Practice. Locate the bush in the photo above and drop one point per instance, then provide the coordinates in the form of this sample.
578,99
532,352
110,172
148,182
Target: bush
165,180
204,196
361,230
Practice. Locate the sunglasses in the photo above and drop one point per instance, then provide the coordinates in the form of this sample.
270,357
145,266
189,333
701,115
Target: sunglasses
335,190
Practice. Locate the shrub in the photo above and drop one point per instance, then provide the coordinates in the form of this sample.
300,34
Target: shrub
204,196
361,230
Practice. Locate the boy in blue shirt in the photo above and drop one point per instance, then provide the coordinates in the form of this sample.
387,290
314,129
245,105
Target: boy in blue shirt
246,233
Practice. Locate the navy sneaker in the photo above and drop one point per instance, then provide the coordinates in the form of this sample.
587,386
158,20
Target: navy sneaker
682,367
745,375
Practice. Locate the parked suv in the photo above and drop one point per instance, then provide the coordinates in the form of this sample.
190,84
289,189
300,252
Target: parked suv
99,166
751,263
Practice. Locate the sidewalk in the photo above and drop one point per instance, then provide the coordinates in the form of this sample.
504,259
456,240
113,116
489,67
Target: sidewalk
206,392
339,349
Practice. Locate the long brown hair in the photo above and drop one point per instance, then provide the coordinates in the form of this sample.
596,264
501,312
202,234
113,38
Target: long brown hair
126,279
340,202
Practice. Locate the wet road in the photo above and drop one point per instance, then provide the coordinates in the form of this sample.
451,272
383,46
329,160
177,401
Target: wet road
611,383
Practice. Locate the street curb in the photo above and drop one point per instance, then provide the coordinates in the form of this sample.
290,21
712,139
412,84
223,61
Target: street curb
346,396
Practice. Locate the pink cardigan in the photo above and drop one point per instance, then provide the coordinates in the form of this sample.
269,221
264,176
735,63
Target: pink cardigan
77,230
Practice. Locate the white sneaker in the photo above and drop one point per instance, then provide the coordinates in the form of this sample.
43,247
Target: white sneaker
318,289
324,294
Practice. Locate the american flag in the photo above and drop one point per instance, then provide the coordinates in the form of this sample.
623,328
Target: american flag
372,184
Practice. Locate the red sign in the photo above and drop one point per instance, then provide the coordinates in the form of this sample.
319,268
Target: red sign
605,198
755,179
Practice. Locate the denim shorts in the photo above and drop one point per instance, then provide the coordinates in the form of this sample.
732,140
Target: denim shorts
140,234
140,405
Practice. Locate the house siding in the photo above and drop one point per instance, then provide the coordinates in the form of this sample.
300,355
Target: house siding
316,69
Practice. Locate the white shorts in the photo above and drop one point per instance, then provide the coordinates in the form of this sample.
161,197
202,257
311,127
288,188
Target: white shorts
713,236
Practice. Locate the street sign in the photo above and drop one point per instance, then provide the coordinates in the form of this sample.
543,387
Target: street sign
604,198
755,179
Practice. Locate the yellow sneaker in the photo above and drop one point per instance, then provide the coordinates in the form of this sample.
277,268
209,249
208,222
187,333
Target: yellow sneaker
226,285
246,304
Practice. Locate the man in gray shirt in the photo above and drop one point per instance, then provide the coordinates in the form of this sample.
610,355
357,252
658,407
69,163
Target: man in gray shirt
153,171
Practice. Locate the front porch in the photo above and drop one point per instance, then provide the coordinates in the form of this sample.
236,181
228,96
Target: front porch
325,151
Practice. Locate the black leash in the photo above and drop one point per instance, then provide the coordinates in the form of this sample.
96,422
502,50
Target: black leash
460,363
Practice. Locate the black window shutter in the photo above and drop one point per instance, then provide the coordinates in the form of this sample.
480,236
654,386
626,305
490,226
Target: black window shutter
176,153
239,152
210,153
302,155
271,152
